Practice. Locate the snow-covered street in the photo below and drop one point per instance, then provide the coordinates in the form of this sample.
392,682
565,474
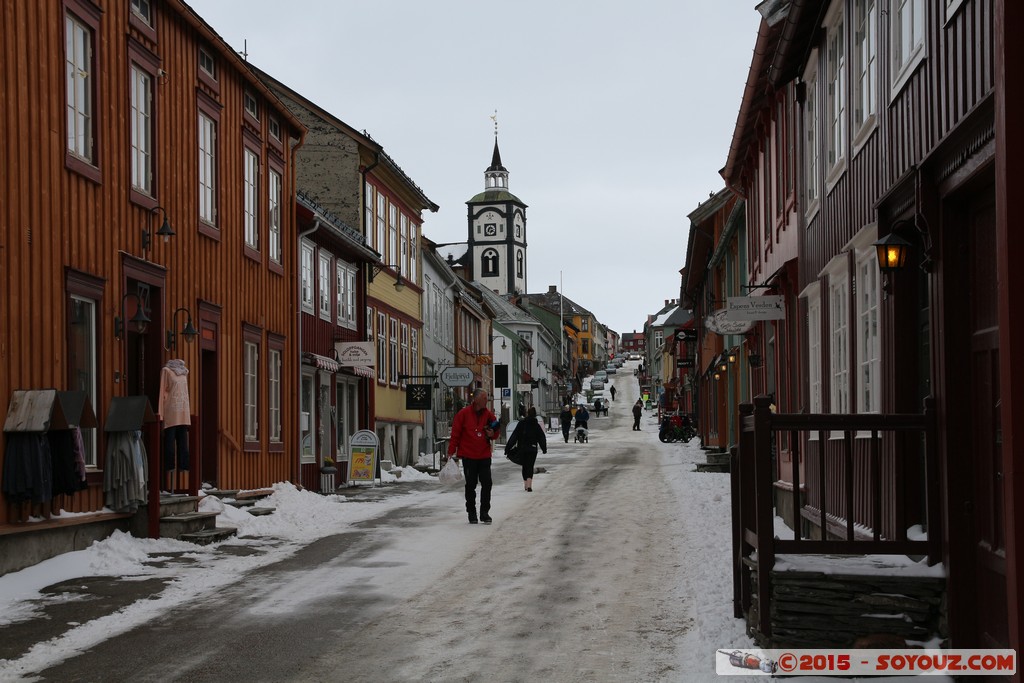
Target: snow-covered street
615,568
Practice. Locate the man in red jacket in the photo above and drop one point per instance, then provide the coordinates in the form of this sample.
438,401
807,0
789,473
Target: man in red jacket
472,432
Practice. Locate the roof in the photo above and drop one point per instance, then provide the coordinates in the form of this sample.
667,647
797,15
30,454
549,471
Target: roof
496,159
555,301
495,196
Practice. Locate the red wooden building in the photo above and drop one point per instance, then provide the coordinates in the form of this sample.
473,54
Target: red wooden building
125,119
900,128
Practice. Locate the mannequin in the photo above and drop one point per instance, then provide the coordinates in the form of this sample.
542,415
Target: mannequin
174,411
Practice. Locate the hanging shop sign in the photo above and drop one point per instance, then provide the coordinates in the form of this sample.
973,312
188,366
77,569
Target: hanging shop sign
417,397
756,308
356,354
720,323
456,376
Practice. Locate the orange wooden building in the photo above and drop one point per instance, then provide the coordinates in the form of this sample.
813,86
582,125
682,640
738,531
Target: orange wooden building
123,120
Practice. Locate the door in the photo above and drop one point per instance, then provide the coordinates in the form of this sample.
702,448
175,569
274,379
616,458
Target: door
986,452
209,462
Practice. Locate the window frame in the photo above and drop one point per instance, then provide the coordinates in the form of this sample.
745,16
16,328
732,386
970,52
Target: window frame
902,69
88,17
345,298
251,199
275,393
252,342
812,138
490,254
139,22
839,369
323,284
79,286
836,66
307,278
393,357
141,194
309,375
275,225
211,109
382,347
865,70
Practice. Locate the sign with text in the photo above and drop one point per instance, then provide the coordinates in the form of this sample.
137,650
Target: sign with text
756,308
719,323
362,456
356,354
456,376
526,386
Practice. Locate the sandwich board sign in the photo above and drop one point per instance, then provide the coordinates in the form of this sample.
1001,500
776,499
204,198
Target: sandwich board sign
362,456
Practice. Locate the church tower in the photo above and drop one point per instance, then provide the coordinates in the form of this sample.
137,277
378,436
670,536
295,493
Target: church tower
497,232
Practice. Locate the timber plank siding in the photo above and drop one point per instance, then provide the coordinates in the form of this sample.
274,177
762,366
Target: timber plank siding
75,228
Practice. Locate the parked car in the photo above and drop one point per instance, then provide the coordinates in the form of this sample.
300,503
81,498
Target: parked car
611,370
601,375
596,384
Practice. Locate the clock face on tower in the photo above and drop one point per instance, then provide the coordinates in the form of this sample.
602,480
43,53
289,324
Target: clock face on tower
490,229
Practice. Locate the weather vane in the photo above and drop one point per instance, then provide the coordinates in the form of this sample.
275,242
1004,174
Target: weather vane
494,118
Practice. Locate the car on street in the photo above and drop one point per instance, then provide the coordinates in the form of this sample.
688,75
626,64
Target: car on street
611,370
596,384
601,375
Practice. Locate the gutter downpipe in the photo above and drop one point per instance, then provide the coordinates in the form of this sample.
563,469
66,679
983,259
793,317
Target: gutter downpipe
369,408
302,235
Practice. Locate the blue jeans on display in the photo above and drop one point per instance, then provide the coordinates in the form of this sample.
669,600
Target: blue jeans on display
176,448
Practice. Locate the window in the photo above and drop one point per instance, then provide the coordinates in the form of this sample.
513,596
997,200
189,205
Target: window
345,281
82,360
382,346
403,233
368,213
585,347
835,74
814,353
868,342
252,170
307,277
141,130
585,323
489,263
811,125
143,10
839,346
274,216
252,107
393,352
251,391
207,64
393,235
414,365
414,251
405,350
382,208
274,126
79,63
519,263
207,169
865,50
307,418
324,285
274,395
906,38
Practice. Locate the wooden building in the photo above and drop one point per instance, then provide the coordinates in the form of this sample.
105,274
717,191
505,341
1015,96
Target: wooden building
900,131
125,121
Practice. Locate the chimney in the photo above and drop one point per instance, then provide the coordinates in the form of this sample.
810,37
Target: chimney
666,302
552,289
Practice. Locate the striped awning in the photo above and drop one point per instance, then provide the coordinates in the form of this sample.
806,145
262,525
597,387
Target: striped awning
320,362
359,370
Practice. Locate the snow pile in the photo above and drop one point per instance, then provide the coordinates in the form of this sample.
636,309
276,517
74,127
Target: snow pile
408,473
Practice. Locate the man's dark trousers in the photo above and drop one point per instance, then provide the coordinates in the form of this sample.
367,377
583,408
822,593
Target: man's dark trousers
477,471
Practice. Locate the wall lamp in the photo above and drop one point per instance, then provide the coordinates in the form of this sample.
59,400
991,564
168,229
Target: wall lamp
399,280
504,343
732,356
189,332
140,319
165,230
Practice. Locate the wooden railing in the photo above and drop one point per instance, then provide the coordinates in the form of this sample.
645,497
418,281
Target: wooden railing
753,493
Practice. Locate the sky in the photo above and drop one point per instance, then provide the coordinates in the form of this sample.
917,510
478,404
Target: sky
699,522
614,118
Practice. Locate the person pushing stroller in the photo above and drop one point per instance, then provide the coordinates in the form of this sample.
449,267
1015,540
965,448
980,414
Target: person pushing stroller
582,420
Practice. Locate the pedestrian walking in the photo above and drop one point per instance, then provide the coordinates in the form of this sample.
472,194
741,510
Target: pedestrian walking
473,429
582,417
638,410
612,392
566,418
526,438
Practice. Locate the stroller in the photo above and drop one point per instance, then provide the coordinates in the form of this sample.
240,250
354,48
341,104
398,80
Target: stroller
581,435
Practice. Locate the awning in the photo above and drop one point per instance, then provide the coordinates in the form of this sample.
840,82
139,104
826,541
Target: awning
359,370
320,362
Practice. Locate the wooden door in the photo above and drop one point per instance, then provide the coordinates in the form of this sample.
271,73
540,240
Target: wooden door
985,452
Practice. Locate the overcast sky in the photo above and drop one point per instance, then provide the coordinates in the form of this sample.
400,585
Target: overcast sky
614,117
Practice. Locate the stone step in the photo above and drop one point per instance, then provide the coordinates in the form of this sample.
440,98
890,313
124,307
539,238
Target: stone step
176,505
208,536
175,526
248,503
718,458
710,467
260,512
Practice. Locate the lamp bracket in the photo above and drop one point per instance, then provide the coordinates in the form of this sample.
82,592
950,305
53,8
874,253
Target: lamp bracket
377,267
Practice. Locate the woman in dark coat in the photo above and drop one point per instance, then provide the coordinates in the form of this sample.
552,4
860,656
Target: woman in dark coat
527,437
566,417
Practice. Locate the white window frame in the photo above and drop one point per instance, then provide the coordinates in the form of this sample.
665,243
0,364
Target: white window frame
865,55
414,252
425,302
143,9
814,379
345,278
907,48
403,247
835,87
251,105
382,209
382,347
368,212
79,55
141,104
393,352
251,162
404,354
812,137
414,340
274,395
274,216
207,64
207,169
839,341
323,285
307,387
869,345
251,397
393,235
307,277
